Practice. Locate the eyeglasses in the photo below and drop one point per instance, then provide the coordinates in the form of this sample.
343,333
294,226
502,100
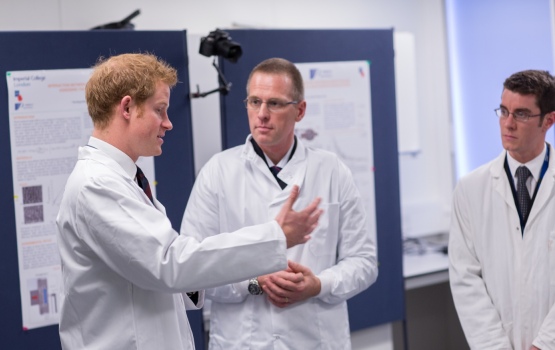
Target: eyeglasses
273,105
521,116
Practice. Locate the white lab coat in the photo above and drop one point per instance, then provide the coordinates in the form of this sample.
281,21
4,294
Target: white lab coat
125,269
236,188
503,282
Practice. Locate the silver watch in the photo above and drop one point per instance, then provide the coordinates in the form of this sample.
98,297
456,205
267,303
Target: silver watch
254,287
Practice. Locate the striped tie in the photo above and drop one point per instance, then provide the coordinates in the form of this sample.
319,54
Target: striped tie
143,183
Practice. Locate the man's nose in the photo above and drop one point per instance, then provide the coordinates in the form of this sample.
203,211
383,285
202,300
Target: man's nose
167,124
263,111
510,119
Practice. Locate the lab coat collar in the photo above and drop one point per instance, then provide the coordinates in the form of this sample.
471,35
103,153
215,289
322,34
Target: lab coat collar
500,182
545,192
118,161
503,187
126,163
293,173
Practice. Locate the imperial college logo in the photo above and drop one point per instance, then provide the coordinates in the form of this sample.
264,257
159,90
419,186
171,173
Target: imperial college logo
19,99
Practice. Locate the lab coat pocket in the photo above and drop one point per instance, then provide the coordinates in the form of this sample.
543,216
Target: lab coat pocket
324,238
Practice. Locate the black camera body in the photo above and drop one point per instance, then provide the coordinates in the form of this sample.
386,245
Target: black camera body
218,43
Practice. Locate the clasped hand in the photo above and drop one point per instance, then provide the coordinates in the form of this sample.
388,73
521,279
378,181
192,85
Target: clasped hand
295,284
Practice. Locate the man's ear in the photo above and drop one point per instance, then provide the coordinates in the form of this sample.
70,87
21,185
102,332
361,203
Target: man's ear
549,120
301,110
125,106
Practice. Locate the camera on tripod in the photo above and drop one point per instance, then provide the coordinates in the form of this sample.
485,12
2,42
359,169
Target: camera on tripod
219,43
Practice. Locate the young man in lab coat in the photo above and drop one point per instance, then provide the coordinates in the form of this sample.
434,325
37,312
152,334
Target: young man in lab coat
125,270
502,260
303,306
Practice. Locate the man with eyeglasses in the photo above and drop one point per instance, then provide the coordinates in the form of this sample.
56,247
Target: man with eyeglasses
502,239
127,275
304,306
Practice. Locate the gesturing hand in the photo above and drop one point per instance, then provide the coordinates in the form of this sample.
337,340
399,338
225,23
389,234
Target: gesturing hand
297,226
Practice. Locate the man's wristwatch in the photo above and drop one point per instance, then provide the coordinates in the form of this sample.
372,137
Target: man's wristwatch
254,287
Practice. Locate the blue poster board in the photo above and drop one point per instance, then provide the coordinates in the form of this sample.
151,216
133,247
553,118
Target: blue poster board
174,168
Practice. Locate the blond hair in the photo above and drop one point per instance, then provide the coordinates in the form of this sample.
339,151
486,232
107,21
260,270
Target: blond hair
134,75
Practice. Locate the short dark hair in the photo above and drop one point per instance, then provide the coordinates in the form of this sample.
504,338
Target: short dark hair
534,82
281,66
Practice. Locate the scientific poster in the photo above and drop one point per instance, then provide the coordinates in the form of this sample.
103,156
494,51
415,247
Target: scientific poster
339,119
48,123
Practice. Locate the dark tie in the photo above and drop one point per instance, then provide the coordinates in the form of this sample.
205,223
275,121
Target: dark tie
143,183
275,170
522,174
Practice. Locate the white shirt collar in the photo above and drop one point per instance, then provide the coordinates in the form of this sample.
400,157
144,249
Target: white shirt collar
535,165
283,160
116,154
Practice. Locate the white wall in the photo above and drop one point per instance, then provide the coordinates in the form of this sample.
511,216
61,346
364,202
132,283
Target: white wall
480,42
426,176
